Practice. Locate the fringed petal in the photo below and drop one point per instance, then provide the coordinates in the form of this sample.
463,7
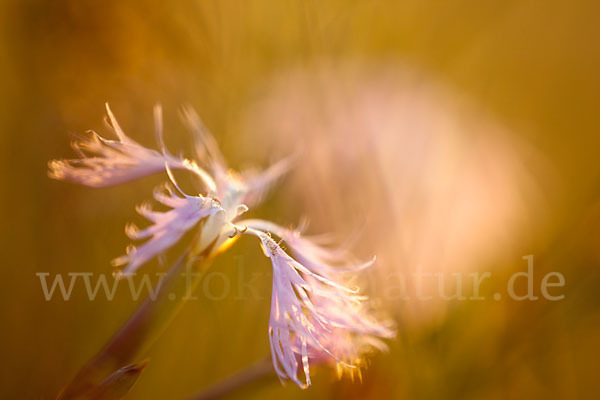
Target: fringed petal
325,261
107,162
167,228
258,184
314,317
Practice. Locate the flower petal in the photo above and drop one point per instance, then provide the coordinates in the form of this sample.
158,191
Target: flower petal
106,162
167,228
258,184
325,261
310,313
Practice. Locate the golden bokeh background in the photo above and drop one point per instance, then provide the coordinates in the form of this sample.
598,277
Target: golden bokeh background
453,136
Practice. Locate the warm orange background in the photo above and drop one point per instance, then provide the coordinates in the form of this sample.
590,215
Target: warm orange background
460,135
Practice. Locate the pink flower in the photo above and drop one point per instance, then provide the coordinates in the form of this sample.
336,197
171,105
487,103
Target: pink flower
314,317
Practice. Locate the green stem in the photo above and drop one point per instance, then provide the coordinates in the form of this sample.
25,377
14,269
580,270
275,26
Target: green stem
143,328
252,374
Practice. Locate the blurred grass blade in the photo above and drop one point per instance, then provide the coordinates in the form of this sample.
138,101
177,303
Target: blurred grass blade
118,384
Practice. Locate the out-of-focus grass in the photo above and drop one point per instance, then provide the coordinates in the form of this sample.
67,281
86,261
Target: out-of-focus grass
531,66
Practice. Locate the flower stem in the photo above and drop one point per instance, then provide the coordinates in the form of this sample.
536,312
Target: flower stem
142,329
253,373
